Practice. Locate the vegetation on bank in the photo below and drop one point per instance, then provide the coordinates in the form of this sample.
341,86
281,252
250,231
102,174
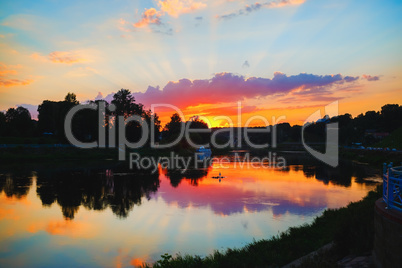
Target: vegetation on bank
366,129
351,229
394,140
372,158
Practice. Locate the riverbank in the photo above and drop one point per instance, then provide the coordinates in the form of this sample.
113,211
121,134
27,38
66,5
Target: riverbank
350,228
372,158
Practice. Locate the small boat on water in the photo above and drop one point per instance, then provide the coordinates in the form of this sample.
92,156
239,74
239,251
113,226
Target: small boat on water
218,177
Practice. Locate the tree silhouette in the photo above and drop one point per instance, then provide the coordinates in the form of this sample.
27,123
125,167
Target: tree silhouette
2,123
202,137
391,116
125,104
71,98
173,127
153,119
53,113
18,122
92,189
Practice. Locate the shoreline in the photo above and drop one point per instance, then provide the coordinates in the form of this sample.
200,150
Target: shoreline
350,229
334,225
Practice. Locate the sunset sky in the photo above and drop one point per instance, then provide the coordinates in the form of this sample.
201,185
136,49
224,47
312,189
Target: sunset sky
279,58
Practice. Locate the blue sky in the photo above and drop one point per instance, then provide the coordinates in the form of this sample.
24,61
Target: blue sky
49,48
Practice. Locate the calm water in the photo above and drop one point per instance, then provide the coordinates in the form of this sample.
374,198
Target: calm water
113,218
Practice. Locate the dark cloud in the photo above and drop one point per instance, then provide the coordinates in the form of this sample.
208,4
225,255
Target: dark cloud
350,78
371,78
246,64
167,31
198,21
228,87
257,6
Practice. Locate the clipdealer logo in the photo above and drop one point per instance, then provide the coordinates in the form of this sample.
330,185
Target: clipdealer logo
117,138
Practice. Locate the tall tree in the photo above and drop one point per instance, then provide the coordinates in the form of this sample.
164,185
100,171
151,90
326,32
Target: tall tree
125,104
71,98
173,127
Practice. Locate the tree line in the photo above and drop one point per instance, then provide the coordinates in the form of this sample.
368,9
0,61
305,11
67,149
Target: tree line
17,122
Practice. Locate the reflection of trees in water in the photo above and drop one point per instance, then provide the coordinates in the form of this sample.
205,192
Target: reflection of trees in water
341,175
95,190
177,175
15,185
99,189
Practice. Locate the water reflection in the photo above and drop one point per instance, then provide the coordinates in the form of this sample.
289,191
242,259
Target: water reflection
16,184
120,189
111,216
193,175
281,190
92,189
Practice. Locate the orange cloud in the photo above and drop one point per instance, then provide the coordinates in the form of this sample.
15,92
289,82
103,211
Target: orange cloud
177,7
65,57
5,70
6,81
122,24
37,56
14,82
150,16
173,8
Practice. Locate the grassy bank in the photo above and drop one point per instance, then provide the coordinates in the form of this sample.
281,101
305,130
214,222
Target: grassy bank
350,228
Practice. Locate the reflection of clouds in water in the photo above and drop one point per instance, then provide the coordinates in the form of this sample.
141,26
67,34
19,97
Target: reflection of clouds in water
246,204
241,191
279,191
229,199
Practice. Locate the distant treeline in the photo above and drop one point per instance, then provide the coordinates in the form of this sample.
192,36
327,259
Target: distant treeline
17,122
366,128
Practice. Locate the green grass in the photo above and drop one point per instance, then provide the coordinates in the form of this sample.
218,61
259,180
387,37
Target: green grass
351,229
